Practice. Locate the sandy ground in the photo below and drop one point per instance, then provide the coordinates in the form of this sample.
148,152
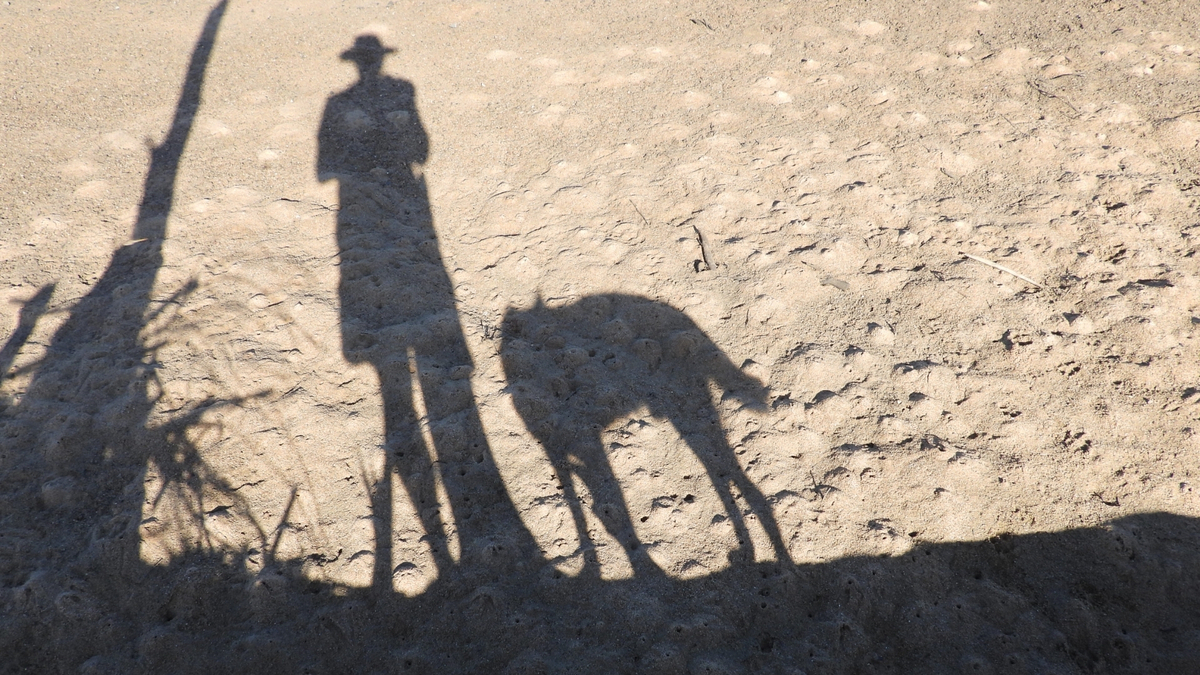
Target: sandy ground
599,337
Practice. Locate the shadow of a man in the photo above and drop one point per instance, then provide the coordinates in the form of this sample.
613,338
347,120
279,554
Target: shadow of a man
398,314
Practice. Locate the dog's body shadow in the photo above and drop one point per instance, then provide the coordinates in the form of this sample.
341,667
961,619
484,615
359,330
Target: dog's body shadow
576,369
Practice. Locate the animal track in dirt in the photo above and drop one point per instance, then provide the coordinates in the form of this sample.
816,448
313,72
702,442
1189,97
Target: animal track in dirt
1069,368
1076,441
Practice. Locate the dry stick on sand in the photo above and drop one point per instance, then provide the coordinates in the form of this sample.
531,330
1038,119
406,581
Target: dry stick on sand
1002,268
1172,118
639,212
1050,94
1013,126
703,250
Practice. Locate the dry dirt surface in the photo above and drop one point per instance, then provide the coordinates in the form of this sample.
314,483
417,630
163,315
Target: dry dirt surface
556,336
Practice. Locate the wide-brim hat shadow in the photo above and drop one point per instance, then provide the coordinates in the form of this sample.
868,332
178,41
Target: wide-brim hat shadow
366,48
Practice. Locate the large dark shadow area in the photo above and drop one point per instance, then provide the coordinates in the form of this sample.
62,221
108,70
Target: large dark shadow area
84,412
1116,598
75,597
74,447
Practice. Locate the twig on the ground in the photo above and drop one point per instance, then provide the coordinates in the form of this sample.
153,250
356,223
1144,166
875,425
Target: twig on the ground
639,212
1050,94
1005,118
1172,118
1002,268
703,249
